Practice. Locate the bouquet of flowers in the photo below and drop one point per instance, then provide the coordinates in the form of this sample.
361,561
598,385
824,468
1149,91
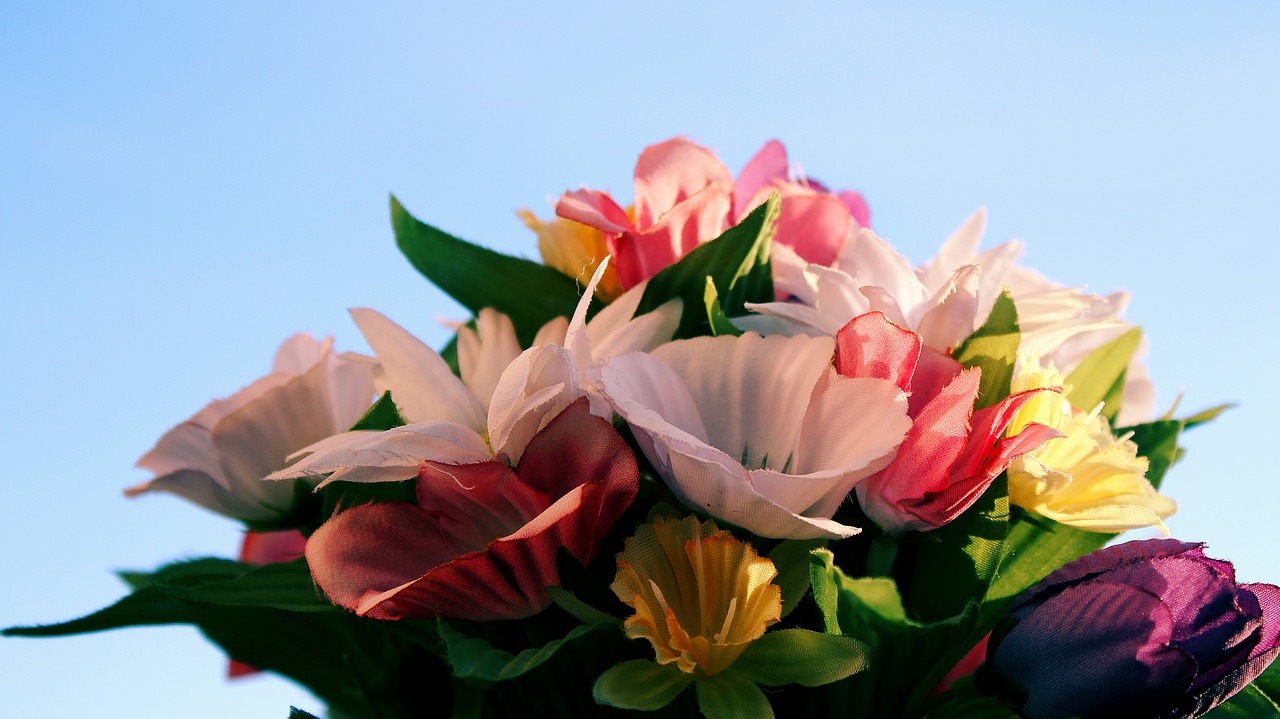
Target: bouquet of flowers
723,452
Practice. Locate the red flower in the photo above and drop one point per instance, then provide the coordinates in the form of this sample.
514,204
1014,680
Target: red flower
951,453
481,541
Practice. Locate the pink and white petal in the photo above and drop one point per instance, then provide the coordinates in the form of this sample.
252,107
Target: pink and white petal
996,264
596,209
272,547
186,446
576,339
814,224
391,455
300,353
789,279
422,385
872,346
540,383
642,334
483,353
960,248
858,207
671,172
750,391
761,171
787,319
213,412
768,325
199,488
854,426
836,294
872,261
949,317
258,438
351,388
649,394
881,300
552,333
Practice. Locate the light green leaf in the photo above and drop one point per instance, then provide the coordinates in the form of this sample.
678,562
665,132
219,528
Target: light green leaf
640,684
800,656
1158,442
531,294
791,558
720,325
580,610
729,695
1248,703
1269,682
737,263
994,348
1100,377
1206,416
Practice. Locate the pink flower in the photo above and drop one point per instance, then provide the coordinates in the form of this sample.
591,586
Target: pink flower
951,454
481,541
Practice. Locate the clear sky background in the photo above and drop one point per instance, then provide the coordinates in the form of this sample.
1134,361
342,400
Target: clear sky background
183,185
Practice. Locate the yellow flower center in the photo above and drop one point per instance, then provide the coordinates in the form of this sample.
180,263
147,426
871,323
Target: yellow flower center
700,595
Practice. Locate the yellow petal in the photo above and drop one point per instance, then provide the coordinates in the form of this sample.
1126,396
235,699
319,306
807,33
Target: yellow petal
575,249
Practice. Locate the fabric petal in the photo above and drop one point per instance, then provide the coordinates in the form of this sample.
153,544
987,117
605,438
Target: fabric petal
948,318
537,385
671,172
872,346
594,208
700,218
815,224
483,353
760,172
392,455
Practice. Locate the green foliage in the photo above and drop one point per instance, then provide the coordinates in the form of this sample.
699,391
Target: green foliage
716,319
1249,703
994,348
383,415
799,656
530,293
729,695
474,658
640,684
1100,376
736,263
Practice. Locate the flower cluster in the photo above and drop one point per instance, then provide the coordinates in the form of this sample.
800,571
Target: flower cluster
758,447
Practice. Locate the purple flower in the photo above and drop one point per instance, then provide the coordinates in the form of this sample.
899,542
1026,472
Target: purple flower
1148,629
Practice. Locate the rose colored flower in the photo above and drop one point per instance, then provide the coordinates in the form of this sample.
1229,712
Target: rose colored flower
951,454
219,457
1146,629
481,541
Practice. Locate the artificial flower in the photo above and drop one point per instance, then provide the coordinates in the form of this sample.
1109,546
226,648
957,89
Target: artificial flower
757,431
952,453
1146,629
575,249
219,457
481,541
1087,478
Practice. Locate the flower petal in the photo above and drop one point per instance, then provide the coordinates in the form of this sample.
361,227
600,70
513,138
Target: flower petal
483,353
594,208
760,172
671,172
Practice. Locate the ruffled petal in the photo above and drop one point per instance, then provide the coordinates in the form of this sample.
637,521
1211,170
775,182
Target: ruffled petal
671,172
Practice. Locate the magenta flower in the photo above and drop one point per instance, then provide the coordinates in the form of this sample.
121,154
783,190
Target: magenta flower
951,454
481,541
1146,629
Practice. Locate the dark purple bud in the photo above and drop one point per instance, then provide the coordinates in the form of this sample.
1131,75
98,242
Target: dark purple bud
1150,629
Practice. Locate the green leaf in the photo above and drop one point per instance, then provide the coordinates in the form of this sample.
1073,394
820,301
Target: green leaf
720,324
1248,703
640,684
1269,682
1206,416
907,657
1100,377
476,658
1158,442
729,695
1035,547
737,263
531,294
382,416
800,656
958,566
296,713
791,558
994,348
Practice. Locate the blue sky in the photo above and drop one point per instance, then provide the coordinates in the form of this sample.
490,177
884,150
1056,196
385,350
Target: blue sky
185,185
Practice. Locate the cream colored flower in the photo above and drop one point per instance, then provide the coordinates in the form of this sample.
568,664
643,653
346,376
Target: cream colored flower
1089,478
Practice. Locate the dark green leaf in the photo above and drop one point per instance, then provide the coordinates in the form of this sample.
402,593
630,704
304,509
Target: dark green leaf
383,415
1035,547
1269,682
728,695
476,658
994,348
296,713
791,559
958,566
531,294
737,263
1100,377
799,656
1158,442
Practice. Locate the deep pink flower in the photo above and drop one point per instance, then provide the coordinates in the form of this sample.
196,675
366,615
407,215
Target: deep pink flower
481,541
951,453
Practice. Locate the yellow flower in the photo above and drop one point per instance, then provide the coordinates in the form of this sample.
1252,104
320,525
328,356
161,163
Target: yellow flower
1089,478
701,596
575,249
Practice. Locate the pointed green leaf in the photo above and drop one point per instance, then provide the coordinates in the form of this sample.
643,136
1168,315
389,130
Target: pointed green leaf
1248,703
1269,682
729,695
994,348
1207,415
382,416
720,325
737,263
579,609
791,559
800,656
476,658
958,566
1158,442
1100,377
296,713
531,294
640,684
